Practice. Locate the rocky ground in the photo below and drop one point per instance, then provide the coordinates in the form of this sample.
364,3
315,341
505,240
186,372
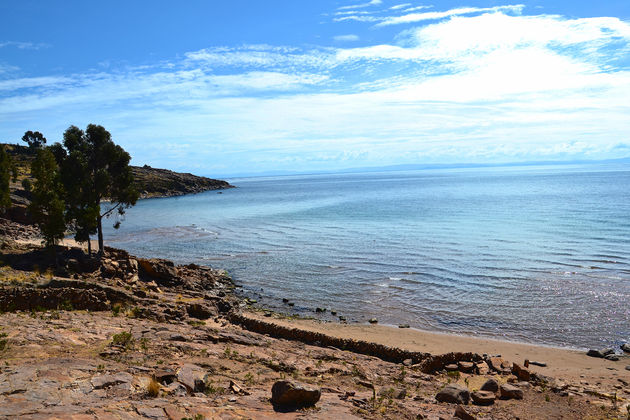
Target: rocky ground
124,337
153,182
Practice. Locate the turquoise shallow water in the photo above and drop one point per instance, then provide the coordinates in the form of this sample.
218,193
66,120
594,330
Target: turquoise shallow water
535,254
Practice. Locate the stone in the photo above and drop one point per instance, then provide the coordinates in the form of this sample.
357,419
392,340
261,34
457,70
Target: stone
509,392
320,310
407,362
373,321
466,367
461,413
453,393
483,397
628,367
599,353
163,271
612,357
106,381
192,377
625,348
165,376
404,326
521,373
482,368
151,412
176,389
490,385
496,363
294,394
451,367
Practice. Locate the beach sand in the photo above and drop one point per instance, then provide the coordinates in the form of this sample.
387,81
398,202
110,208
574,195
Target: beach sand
568,365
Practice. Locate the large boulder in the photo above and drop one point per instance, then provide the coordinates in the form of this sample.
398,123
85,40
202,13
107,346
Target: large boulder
483,397
163,271
294,394
490,385
455,394
509,392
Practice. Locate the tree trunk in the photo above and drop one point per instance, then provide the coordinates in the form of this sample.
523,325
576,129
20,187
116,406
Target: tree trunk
100,235
89,246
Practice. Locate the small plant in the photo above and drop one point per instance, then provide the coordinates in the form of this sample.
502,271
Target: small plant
66,305
116,308
195,417
249,379
100,367
453,374
547,398
124,340
227,353
153,388
144,344
3,341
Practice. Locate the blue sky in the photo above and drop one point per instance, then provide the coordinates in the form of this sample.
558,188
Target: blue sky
232,87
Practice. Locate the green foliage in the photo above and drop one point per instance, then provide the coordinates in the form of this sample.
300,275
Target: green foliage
6,166
47,205
34,139
3,341
27,184
96,168
124,340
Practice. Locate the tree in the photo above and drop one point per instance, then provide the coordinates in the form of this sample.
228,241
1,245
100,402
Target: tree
96,169
7,169
47,206
34,139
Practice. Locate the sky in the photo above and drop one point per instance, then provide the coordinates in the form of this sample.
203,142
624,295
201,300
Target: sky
224,88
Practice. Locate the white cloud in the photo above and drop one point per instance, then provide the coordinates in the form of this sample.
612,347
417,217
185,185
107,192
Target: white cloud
492,86
401,6
346,38
361,5
418,17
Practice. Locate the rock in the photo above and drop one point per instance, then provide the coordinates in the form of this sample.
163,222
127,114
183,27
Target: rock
541,364
342,318
407,362
176,389
612,357
490,385
483,397
521,373
106,381
453,393
293,394
628,367
509,392
625,348
151,412
497,363
482,368
461,413
373,321
162,270
404,326
285,300
466,367
333,313
451,367
165,376
395,393
192,377
600,353
320,310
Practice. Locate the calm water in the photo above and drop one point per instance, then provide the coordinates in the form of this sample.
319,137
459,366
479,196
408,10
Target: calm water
538,254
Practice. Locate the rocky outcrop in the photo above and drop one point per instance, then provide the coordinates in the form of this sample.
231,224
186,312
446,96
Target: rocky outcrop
153,182
455,394
294,394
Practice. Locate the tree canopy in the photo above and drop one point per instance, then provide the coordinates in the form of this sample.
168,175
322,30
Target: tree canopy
6,169
47,206
94,169
34,139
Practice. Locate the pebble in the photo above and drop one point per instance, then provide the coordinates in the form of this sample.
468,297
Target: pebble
373,321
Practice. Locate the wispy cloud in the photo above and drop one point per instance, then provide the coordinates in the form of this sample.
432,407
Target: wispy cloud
361,5
487,85
23,45
419,17
346,38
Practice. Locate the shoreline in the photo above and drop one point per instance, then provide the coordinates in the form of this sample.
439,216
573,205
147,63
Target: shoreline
569,365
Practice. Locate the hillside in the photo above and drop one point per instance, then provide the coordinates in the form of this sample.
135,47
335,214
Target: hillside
150,182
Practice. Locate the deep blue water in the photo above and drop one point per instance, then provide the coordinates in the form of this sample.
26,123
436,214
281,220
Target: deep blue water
534,254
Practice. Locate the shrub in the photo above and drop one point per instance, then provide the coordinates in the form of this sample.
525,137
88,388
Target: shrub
123,339
153,388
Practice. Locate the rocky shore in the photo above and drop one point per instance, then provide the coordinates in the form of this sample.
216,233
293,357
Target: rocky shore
126,337
153,182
